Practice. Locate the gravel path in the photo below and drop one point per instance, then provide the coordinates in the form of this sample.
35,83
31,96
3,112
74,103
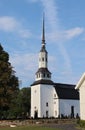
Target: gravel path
63,126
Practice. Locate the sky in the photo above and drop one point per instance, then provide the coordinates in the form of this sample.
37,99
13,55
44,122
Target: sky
21,32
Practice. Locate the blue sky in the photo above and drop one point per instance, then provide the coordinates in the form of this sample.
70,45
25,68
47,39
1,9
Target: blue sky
21,30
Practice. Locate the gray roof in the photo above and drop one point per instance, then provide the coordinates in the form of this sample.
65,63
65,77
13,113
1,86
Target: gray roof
43,70
43,81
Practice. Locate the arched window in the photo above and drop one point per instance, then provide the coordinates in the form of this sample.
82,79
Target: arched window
44,75
42,58
39,74
48,75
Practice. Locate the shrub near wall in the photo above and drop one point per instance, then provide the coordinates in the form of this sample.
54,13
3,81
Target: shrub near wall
82,123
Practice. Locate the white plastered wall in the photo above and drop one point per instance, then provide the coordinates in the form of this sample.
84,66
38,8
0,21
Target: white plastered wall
35,100
65,107
46,97
82,101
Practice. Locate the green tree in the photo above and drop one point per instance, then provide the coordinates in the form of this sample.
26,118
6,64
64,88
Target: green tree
23,101
8,81
22,107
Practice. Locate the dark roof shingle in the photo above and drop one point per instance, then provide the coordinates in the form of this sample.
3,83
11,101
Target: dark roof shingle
43,70
48,82
66,91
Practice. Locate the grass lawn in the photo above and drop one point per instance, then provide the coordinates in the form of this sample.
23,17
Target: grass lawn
28,128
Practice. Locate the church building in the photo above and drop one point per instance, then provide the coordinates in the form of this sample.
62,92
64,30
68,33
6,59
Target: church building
49,99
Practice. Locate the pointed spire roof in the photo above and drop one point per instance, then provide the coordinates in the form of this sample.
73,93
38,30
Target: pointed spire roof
43,35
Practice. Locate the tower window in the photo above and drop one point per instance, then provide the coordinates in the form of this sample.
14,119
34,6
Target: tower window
54,102
43,59
54,95
39,74
46,104
55,113
35,91
48,75
44,75
35,107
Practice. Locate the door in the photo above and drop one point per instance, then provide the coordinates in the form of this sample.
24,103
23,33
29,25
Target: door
72,111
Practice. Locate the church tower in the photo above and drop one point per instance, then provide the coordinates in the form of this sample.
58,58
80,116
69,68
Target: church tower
42,88
43,73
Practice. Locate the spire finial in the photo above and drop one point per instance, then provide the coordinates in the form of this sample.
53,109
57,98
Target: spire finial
43,33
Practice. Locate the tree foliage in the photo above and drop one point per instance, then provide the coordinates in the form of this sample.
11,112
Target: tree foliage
8,81
14,102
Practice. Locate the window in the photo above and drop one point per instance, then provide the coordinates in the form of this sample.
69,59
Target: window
54,102
39,74
35,91
48,75
54,95
42,58
55,113
44,75
46,104
35,107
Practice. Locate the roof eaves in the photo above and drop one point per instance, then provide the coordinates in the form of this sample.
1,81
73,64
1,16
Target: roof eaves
80,81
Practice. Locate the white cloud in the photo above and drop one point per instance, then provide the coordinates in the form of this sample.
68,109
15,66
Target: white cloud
8,23
25,65
25,33
73,32
64,35
11,24
51,13
24,61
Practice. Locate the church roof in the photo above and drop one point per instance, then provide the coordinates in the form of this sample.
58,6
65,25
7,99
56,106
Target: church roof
43,49
66,91
43,81
43,70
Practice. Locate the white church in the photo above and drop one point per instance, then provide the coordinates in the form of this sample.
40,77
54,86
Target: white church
49,99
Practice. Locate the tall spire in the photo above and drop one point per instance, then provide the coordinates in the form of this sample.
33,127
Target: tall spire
43,33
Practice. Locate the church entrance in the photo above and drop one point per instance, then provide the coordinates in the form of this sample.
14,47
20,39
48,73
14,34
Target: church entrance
36,114
46,114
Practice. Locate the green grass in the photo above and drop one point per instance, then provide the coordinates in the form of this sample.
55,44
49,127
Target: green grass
28,128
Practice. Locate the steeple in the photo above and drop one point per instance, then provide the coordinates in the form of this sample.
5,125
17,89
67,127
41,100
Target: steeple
43,35
43,73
